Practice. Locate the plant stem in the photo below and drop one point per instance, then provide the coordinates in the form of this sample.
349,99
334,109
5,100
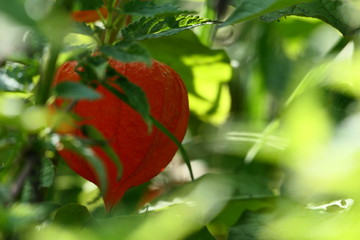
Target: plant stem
31,157
178,144
48,69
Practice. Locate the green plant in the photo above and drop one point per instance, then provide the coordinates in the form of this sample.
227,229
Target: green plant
271,149
136,152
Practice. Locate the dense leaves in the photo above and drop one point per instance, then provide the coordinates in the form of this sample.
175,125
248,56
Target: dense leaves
154,27
273,140
149,8
335,13
249,9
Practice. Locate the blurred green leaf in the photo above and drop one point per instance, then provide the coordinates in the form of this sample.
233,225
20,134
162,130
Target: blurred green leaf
75,91
24,214
9,84
47,173
205,72
248,9
127,52
178,144
342,15
97,136
87,4
251,193
16,10
160,26
149,8
16,77
203,234
83,149
83,28
73,215
248,228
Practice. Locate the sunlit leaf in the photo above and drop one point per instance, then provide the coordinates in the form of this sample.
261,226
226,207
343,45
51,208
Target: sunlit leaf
205,72
343,15
154,27
248,9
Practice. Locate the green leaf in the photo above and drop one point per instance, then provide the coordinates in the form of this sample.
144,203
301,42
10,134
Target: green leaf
17,77
73,215
47,173
248,9
154,27
248,228
203,234
22,215
87,5
9,84
178,144
133,95
251,193
205,72
82,148
94,134
127,52
149,8
16,10
331,12
83,28
75,91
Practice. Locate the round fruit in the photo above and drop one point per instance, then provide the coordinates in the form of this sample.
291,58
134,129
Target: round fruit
89,15
143,154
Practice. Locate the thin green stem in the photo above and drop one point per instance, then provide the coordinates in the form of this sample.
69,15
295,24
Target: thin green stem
47,74
178,144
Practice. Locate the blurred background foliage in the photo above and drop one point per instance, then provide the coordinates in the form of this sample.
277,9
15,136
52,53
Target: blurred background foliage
273,134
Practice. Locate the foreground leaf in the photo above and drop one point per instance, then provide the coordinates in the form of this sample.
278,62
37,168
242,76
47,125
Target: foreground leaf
75,91
83,149
149,9
72,215
97,136
342,15
127,52
205,72
154,27
133,96
248,9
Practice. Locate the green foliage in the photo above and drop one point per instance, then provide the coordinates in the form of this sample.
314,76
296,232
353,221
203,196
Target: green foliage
342,15
133,95
82,148
204,70
75,91
87,5
127,52
248,9
149,8
155,27
273,137
65,215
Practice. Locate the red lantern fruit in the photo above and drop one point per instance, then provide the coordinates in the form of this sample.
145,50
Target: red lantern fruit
143,154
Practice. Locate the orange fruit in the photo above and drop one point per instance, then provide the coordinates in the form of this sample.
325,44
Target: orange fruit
89,15
143,154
